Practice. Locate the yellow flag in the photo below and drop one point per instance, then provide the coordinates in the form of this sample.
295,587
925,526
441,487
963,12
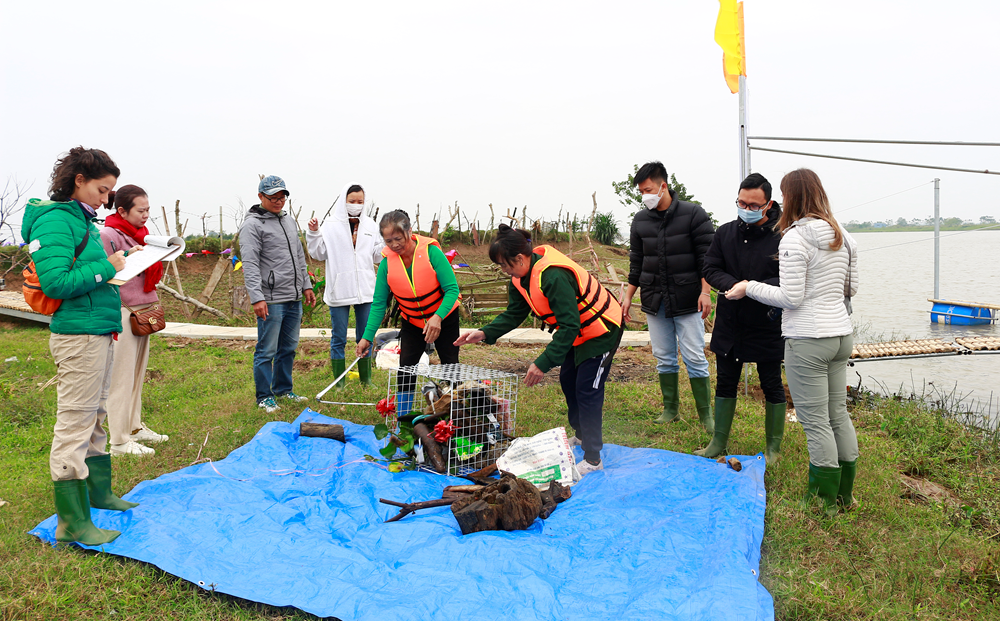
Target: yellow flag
729,36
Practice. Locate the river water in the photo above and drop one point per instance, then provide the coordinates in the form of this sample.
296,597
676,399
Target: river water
897,276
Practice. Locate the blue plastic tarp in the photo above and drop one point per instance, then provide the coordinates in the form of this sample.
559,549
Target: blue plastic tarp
292,521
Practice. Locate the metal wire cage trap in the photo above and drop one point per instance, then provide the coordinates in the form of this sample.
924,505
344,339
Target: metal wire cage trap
476,406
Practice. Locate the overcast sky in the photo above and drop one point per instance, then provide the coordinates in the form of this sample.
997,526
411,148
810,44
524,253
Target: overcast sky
513,103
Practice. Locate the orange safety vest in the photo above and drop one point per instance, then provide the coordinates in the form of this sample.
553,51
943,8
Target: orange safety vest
597,306
419,297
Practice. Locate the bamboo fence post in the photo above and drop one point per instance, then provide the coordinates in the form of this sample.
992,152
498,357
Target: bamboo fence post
177,217
173,264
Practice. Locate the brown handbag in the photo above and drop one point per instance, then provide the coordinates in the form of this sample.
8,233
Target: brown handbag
147,321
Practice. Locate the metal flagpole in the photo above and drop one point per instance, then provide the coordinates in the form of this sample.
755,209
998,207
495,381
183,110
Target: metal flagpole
937,239
744,145
744,172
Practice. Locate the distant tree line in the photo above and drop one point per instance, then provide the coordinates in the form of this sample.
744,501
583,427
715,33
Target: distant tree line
901,224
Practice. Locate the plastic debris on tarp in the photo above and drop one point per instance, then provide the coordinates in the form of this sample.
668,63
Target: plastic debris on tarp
292,521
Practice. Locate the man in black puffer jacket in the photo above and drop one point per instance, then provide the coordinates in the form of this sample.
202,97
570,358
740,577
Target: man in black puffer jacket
669,240
746,330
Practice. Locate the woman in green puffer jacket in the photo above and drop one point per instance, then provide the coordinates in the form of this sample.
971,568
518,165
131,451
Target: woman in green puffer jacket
83,331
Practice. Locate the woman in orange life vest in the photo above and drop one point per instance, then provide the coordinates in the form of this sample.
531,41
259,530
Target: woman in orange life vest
587,321
420,277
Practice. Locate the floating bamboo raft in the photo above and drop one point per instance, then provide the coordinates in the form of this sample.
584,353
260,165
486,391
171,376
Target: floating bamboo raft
903,348
979,343
923,348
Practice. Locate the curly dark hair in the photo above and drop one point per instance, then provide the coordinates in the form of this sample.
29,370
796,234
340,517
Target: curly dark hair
91,163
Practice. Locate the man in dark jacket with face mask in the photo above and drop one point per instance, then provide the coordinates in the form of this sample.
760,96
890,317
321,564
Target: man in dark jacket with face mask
746,330
277,280
669,239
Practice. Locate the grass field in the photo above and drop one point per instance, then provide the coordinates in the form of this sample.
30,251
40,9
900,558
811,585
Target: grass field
897,556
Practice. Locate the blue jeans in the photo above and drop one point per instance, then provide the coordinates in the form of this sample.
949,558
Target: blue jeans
339,316
277,339
688,331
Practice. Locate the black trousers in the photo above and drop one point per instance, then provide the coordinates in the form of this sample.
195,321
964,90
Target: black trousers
583,387
412,346
728,379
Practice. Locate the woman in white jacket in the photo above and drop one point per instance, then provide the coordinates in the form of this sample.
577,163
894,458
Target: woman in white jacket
818,271
350,243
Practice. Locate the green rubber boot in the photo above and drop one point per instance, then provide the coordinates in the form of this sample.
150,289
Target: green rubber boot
99,485
365,371
671,402
774,430
824,483
725,409
338,365
845,495
701,389
73,511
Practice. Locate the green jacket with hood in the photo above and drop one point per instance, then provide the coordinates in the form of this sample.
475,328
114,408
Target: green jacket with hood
53,230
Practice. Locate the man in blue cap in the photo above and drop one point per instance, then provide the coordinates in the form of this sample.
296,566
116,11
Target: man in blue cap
277,280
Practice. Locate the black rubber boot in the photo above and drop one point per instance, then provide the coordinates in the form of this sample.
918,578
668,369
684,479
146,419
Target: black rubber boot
99,485
725,410
701,389
671,400
845,494
73,511
774,430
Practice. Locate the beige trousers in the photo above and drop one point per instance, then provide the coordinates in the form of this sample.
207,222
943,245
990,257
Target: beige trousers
127,373
83,363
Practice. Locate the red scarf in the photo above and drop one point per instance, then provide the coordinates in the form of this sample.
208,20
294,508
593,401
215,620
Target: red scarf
155,271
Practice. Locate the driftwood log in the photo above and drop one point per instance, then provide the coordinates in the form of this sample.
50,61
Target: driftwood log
321,430
555,494
432,450
509,504
406,508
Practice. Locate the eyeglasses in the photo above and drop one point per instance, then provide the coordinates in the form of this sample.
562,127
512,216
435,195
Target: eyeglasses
277,198
751,207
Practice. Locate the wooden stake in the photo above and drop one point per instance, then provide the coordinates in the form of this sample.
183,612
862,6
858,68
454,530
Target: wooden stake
173,264
190,300
177,217
213,282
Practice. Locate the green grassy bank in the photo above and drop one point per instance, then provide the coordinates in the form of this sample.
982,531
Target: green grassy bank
933,553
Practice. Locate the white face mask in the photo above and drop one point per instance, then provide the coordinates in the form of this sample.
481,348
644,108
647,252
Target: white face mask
651,201
354,209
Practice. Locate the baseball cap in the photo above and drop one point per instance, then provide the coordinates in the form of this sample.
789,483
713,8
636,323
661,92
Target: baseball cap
271,185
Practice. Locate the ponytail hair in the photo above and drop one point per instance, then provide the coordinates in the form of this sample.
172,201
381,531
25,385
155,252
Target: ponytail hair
91,163
124,197
508,244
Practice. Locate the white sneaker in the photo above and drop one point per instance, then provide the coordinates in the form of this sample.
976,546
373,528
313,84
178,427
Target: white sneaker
575,441
145,434
585,467
269,405
131,448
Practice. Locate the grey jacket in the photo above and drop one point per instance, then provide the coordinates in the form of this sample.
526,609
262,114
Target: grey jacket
274,264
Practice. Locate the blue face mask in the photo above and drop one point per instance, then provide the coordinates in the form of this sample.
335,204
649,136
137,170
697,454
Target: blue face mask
750,217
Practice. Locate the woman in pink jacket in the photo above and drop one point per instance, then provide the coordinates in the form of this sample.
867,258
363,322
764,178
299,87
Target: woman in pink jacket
124,229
